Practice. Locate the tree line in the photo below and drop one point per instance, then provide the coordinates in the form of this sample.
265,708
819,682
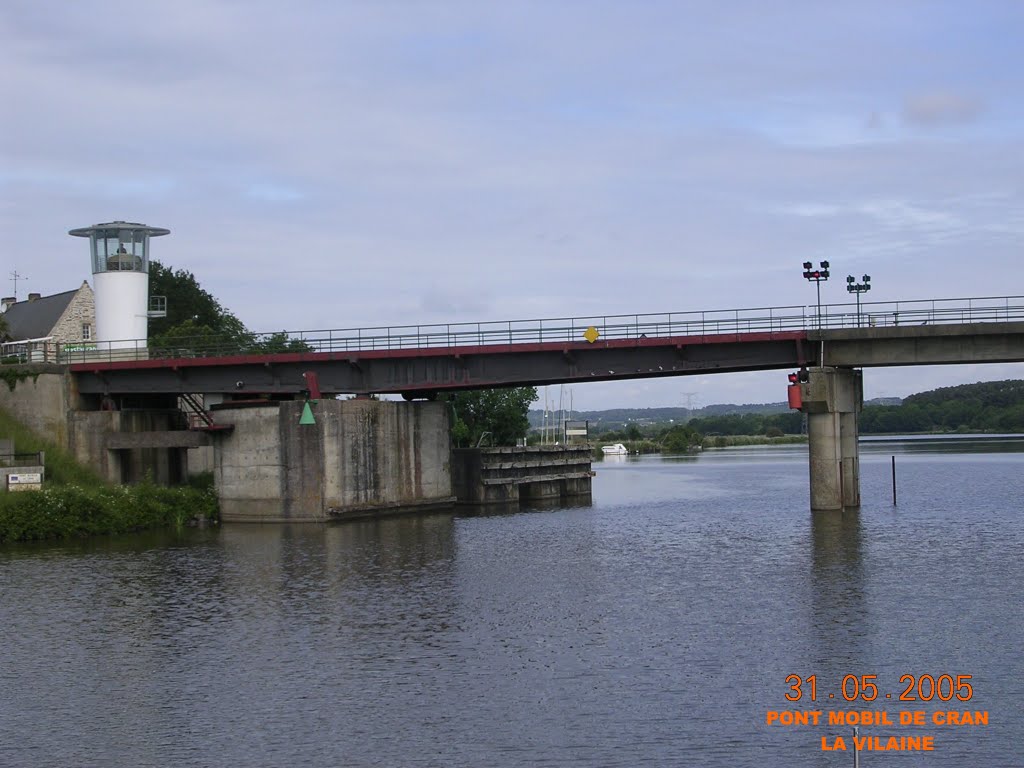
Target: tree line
992,406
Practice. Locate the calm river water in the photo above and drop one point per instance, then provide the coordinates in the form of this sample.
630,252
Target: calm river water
655,627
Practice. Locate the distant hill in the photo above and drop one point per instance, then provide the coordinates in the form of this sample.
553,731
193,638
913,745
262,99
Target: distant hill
619,418
990,406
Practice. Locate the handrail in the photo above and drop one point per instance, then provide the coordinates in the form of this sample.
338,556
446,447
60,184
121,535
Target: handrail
700,323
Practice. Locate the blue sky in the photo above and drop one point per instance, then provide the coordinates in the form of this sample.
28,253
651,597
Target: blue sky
343,164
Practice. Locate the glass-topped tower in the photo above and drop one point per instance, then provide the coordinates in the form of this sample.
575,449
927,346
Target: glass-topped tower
120,269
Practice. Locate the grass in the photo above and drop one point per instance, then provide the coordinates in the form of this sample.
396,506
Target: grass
61,467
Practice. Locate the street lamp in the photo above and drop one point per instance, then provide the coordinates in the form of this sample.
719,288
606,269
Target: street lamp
858,288
817,275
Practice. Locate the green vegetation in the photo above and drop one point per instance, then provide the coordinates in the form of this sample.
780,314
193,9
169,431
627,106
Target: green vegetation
66,511
76,502
681,438
618,419
732,441
496,415
776,424
12,376
678,438
61,468
994,406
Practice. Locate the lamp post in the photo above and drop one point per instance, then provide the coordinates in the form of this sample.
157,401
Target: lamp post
817,275
858,288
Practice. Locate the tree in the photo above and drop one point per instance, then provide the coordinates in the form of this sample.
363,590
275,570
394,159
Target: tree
499,413
190,338
280,342
680,439
5,330
191,308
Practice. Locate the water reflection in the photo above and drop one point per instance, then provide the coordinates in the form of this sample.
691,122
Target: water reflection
839,609
953,444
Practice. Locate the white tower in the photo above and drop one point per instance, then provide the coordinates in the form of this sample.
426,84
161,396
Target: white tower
120,269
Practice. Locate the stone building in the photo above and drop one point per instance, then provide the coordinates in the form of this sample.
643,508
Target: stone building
37,325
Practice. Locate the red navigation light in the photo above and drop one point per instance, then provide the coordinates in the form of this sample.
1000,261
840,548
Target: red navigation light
793,378
816,274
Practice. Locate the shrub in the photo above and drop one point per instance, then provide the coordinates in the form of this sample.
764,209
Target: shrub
72,511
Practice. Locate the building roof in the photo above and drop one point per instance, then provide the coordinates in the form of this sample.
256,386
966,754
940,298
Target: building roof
35,319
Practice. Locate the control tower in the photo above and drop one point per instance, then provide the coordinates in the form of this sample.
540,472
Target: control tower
120,269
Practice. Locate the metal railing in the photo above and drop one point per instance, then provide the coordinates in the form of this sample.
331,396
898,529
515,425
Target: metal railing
569,329
33,459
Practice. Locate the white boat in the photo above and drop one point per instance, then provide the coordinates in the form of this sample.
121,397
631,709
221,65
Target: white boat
614,450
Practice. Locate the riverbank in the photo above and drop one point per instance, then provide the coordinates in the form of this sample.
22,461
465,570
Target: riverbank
75,502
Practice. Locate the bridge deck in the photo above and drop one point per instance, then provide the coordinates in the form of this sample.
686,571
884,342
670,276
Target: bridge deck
419,359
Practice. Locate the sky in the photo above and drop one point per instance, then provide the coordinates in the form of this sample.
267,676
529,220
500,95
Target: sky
341,164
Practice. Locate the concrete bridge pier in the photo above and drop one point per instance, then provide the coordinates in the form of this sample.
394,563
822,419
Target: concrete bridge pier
832,400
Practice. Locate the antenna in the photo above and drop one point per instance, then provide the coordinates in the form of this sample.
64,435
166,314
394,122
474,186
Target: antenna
15,277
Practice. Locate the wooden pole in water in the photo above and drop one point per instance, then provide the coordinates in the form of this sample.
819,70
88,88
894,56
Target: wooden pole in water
894,481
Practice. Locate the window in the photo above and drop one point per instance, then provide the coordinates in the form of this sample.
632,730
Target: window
86,332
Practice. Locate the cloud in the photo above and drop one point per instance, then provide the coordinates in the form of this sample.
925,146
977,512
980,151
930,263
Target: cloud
941,107
402,163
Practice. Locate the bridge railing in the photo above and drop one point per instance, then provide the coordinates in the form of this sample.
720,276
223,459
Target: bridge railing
699,324
997,309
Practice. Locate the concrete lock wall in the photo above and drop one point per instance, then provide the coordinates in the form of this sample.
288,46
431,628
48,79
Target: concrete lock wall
41,402
46,402
91,435
359,458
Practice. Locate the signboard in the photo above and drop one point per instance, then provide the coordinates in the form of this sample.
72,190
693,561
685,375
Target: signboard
576,429
24,481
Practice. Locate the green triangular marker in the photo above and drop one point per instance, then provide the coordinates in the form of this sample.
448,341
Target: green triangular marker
307,415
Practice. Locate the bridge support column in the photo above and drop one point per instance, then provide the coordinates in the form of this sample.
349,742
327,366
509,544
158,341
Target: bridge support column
832,400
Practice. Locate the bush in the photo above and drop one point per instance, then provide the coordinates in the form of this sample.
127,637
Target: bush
73,511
